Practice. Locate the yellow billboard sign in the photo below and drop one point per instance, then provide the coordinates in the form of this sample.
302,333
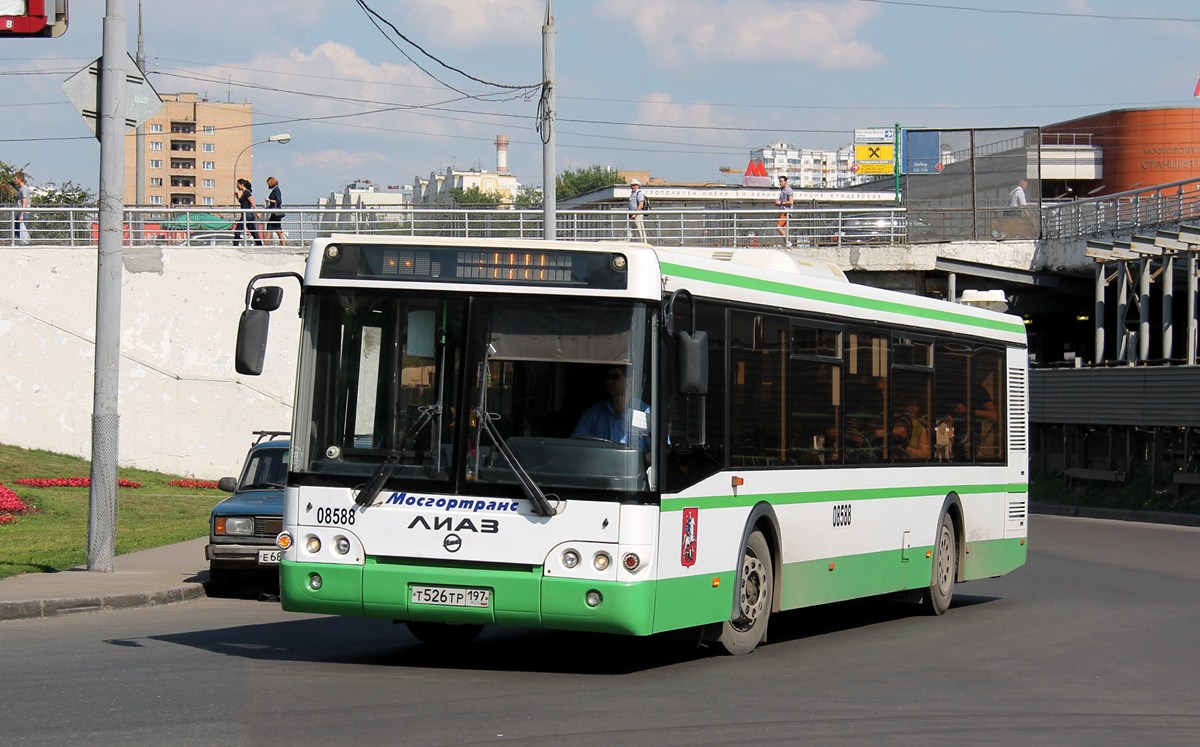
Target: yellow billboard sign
874,158
875,153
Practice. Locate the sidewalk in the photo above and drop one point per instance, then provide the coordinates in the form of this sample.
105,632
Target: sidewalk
161,575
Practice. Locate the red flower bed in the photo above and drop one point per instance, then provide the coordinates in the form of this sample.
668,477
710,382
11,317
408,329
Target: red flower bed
69,482
206,484
10,504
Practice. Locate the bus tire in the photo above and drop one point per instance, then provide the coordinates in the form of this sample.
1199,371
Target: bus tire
443,634
945,570
756,585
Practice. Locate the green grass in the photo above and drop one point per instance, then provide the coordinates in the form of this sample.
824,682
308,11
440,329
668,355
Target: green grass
55,536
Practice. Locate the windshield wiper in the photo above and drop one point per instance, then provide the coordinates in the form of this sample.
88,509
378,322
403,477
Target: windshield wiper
483,420
387,467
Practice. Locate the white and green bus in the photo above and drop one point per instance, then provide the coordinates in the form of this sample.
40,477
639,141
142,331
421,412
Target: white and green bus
630,439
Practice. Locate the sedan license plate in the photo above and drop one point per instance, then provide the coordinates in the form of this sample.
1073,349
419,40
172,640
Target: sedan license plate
269,557
451,596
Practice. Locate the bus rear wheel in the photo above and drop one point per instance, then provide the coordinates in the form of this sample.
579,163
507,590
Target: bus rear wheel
443,634
756,585
945,570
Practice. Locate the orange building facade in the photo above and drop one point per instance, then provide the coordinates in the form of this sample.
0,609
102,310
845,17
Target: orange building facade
1141,147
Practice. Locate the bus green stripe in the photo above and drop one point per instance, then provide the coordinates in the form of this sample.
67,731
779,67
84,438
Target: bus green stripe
829,496
845,299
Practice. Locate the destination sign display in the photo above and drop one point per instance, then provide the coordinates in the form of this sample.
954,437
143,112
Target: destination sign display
556,268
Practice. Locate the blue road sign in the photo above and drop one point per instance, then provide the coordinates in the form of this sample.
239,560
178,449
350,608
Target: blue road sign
921,151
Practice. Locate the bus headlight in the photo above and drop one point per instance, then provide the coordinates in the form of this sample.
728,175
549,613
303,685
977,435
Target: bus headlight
570,558
601,561
313,544
341,545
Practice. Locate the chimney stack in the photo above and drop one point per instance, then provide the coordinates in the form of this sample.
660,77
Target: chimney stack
501,154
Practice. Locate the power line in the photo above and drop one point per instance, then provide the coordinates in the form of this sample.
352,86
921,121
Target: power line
371,13
44,139
1010,11
440,107
714,104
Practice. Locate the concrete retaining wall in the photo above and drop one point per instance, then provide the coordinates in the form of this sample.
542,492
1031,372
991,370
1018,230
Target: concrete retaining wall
182,407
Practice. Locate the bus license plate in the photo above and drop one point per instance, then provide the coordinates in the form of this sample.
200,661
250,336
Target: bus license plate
451,596
269,557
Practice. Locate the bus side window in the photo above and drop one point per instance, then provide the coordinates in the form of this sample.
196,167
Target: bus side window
987,388
690,457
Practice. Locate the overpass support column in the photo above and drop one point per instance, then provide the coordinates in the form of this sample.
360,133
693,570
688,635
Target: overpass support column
1122,311
1098,314
1144,311
1191,308
1168,307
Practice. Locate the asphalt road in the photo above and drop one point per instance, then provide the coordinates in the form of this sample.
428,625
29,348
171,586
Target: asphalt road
1095,642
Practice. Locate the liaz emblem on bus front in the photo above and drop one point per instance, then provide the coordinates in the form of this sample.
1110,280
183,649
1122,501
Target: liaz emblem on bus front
691,519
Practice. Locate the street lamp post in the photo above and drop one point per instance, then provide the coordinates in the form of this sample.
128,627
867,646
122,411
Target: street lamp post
281,139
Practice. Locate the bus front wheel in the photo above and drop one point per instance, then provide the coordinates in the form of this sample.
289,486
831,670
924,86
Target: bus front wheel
756,585
945,570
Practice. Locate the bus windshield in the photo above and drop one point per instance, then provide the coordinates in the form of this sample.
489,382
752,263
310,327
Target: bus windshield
564,384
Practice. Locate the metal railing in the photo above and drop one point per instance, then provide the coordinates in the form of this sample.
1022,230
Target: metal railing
1163,203
77,226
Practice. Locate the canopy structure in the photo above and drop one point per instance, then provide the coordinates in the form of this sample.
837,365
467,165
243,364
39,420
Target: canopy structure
197,222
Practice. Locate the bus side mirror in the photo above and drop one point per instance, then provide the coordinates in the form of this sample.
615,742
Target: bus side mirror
266,298
252,341
251,348
691,362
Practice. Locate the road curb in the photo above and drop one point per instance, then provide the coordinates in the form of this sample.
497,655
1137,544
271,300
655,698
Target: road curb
1117,514
73,605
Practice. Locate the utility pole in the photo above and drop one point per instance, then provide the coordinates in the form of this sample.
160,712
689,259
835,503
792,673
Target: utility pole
546,126
110,124
140,175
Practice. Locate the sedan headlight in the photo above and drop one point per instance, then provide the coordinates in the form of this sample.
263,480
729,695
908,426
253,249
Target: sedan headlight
240,526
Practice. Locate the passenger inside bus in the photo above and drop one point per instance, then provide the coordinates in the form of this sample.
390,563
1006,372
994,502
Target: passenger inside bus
866,435
910,434
979,440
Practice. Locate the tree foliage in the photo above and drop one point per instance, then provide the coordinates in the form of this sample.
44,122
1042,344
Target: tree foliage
474,197
568,184
67,193
577,181
8,186
529,196
51,226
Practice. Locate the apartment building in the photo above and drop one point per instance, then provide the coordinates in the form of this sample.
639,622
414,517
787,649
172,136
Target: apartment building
808,168
191,147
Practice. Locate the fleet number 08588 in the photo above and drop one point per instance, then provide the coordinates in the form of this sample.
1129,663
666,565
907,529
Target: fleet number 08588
338,516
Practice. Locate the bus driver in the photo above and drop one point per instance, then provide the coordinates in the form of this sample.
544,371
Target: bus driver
618,417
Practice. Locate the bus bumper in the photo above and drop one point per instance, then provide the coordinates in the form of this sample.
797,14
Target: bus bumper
519,598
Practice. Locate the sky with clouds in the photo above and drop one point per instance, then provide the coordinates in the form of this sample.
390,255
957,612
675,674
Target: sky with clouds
680,88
